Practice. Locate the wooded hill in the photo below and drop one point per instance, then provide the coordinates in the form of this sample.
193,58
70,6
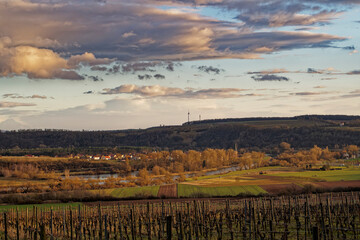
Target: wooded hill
265,134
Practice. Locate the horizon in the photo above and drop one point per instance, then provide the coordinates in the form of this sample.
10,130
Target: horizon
118,65
180,124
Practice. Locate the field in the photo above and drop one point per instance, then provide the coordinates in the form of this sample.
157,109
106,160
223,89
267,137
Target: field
136,192
187,190
4,208
253,182
312,216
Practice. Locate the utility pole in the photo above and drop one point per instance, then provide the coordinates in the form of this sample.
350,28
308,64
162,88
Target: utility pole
188,117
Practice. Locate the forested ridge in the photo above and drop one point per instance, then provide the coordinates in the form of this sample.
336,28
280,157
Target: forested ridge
257,133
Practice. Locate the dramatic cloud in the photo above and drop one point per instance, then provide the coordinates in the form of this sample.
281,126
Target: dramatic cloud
280,19
15,104
269,77
108,30
259,13
161,91
42,63
210,69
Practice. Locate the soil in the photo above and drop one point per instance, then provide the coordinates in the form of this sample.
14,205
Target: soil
339,184
281,188
168,191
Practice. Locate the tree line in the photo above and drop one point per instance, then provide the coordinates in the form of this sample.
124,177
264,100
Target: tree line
197,137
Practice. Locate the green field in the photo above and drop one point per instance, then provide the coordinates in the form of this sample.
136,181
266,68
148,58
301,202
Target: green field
135,192
39,206
346,174
185,190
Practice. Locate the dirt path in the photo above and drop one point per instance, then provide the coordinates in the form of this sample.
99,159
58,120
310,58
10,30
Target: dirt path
168,191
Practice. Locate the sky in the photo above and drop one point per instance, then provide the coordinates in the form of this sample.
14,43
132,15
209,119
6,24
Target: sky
120,64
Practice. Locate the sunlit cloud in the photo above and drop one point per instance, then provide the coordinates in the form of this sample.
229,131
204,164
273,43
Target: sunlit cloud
161,91
42,63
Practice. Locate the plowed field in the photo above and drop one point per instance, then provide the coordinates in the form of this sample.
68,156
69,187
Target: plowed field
168,191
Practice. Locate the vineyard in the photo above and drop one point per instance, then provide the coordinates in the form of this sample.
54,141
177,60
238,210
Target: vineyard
320,216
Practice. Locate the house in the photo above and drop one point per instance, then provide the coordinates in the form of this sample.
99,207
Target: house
106,157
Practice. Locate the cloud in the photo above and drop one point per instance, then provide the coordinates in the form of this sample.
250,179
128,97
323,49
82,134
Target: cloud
108,29
95,78
99,68
41,63
259,13
87,59
159,76
120,113
353,52
17,96
271,71
280,19
327,71
15,104
349,48
308,93
140,66
88,92
269,77
210,69
170,67
144,77
128,34
329,78
161,91
321,71
355,72
114,69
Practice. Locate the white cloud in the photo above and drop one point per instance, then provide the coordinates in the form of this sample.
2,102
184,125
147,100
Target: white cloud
15,104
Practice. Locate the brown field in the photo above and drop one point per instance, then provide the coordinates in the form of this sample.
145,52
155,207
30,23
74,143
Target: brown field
339,184
169,191
280,188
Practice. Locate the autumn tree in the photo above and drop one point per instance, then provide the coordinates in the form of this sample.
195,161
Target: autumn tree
144,177
284,146
352,150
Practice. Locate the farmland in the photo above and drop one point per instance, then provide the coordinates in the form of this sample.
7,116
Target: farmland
142,192
187,190
253,182
311,216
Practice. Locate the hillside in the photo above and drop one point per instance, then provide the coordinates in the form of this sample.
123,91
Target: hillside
251,133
